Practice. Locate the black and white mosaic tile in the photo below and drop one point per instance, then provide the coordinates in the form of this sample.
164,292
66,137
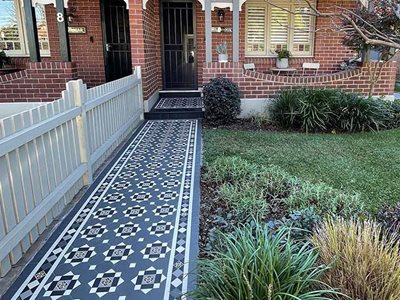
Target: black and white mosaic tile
131,236
180,103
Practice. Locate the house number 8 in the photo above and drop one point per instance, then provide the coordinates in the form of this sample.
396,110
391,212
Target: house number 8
60,17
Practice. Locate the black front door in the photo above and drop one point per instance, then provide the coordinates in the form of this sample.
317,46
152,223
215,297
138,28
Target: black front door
179,45
117,40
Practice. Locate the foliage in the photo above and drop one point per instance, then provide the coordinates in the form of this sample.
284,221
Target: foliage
253,264
326,199
315,109
366,258
363,163
301,222
3,59
389,217
222,48
283,53
355,113
393,110
376,21
256,191
221,101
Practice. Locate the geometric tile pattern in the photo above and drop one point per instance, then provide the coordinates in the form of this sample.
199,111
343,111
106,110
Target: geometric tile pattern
62,286
180,103
149,279
128,238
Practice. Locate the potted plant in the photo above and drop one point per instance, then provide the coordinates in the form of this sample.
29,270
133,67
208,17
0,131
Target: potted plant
3,59
222,50
282,61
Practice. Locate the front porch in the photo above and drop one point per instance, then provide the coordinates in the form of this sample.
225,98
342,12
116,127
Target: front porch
176,55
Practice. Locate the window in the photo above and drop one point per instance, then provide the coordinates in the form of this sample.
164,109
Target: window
12,28
274,27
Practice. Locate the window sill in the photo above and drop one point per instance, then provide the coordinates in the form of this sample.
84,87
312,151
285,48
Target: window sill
274,56
26,55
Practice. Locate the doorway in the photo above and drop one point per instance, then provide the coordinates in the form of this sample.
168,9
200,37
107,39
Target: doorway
178,40
117,44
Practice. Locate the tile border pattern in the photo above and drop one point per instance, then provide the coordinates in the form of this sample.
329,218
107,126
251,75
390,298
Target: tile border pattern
177,273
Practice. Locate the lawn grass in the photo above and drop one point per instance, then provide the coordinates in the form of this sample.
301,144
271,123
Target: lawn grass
367,163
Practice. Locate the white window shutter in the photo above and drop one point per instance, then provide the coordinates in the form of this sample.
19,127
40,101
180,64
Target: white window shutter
256,17
279,28
302,30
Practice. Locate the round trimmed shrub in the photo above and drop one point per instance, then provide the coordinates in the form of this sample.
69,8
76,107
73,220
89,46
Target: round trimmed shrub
221,101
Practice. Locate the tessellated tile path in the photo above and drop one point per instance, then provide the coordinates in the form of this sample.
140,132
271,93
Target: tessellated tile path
134,233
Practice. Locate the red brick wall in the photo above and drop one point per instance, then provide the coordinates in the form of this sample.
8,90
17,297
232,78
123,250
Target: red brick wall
86,49
328,49
145,40
40,82
260,85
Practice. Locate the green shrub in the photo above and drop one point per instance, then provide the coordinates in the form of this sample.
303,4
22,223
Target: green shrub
254,190
285,109
315,109
354,113
301,222
221,101
325,199
252,264
393,108
366,258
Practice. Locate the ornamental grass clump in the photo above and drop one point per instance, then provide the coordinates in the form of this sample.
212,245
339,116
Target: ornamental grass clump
250,263
366,258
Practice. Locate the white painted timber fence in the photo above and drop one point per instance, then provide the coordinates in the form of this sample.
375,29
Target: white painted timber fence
47,154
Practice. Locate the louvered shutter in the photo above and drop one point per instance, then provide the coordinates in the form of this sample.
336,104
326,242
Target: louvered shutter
302,31
256,30
279,28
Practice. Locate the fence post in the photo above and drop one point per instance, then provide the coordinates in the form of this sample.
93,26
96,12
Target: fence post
138,72
79,92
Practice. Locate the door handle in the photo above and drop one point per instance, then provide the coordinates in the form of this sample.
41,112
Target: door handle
108,47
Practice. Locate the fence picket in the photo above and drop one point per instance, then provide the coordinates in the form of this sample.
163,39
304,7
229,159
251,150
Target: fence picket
62,144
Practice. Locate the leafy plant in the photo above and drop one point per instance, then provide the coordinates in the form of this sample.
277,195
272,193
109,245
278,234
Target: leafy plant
393,110
301,222
355,113
253,190
285,109
316,109
366,258
389,217
221,101
325,199
250,263
222,48
283,53
3,59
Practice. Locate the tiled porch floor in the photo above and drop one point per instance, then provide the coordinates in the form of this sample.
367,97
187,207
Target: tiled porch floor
134,233
179,103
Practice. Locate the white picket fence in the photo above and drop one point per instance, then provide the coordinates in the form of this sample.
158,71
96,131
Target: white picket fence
47,154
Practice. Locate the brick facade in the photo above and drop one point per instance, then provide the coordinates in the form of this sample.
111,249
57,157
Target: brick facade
86,49
259,85
40,82
88,53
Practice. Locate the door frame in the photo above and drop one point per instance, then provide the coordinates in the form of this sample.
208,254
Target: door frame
196,84
104,37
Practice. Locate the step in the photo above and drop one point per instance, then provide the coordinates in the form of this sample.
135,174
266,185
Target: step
179,94
174,114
